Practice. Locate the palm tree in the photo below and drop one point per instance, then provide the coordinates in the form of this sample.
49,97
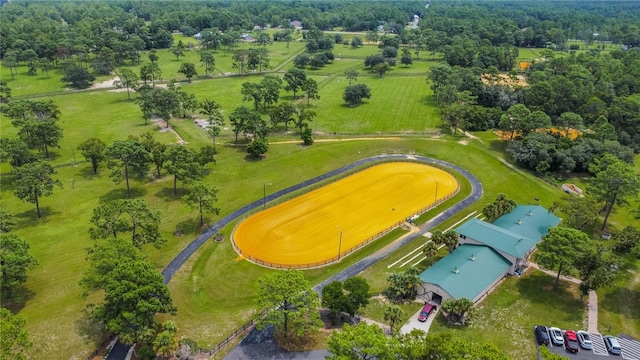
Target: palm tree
430,250
392,314
457,310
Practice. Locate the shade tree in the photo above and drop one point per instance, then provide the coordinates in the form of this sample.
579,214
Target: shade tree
347,297
182,163
615,183
294,78
128,80
16,152
560,249
93,151
288,302
134,293
282,114
155,149
127,216
16,261
626,241
354,94
188,70
362,341
126,158
14,342
33,181
7,222
77,77
302,117
214,117
596,267
208,62
202,197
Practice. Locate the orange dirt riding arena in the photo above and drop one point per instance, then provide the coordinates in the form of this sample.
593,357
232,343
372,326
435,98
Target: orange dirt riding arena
310,229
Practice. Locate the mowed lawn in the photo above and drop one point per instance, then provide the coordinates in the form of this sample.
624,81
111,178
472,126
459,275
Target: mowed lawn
506,318
398,104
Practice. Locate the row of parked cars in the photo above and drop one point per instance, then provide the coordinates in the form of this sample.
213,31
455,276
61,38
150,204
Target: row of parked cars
573,340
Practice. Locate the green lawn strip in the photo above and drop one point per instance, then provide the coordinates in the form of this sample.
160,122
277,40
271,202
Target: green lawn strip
24,84
377,306
507,316
618,304
528,54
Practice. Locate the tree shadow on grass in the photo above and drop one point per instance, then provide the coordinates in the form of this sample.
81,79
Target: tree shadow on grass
190,226
537,287
87,172
167,193
19,297
252,159
121,193
622,301
499,146
30,217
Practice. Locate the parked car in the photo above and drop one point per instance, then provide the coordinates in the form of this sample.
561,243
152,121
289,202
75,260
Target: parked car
556,336
571,341
425,312
584,339
542,335
613,346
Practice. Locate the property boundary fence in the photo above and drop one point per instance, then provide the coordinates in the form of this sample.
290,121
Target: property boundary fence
95,352
241,330
342,254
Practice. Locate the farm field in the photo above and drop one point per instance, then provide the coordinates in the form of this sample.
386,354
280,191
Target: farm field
303,230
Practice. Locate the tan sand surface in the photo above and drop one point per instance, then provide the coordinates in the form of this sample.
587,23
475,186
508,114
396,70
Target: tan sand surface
307,229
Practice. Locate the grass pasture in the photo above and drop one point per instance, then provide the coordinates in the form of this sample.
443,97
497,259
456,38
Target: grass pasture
397,105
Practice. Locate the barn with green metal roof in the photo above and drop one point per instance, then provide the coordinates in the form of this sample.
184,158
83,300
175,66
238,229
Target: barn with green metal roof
467,272
497,249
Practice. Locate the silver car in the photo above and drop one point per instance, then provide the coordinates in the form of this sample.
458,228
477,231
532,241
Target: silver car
584,340
556,336
613,346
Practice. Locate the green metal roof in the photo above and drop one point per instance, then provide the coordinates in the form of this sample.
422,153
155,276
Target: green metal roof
472,276
496,237
534,221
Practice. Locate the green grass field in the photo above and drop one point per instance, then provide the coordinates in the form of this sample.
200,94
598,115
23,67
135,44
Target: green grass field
506,318
215,290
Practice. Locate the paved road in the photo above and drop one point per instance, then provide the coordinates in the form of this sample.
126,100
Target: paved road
476,193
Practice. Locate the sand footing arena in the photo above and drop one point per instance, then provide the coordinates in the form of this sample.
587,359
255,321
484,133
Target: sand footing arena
328,223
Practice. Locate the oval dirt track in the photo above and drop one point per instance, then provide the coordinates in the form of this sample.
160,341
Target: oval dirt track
307,229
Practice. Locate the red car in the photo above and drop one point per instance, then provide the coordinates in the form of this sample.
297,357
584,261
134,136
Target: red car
424,313
571,341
